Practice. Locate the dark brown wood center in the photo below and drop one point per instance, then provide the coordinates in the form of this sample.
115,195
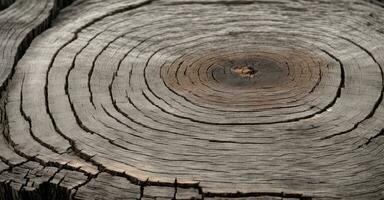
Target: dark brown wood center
244,71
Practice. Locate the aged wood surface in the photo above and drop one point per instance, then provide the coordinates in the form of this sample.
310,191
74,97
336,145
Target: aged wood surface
192,99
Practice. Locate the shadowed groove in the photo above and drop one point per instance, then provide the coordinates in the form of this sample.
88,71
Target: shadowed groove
179,99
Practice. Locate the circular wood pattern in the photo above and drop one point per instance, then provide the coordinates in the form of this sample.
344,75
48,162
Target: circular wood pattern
203,99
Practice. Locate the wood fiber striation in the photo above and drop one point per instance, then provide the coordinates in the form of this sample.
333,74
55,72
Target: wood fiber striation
202,99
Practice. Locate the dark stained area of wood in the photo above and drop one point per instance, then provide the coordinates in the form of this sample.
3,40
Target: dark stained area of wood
191,99
5,4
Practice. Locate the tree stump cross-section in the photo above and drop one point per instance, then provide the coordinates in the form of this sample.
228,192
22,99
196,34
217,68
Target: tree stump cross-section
200,99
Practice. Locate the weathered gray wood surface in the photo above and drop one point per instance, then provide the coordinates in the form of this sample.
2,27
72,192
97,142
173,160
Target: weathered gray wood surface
201,99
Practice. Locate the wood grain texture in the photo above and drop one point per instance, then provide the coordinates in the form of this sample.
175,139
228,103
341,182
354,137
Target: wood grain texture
200,99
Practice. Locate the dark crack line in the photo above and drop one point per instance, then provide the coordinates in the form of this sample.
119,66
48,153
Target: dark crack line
380,99
192,102
101,168
377,2
89,178
377,103
26,178
226,3
71,141
318,81
259,194
24,44
245,123
21,48
11,166
54,174
125,55
371,139
28,119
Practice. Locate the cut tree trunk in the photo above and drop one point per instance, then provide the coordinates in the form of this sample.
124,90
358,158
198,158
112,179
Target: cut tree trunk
200,99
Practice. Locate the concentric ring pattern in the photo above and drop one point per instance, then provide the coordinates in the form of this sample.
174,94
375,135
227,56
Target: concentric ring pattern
230,96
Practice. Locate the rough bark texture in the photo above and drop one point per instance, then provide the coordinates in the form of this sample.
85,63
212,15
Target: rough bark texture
192,99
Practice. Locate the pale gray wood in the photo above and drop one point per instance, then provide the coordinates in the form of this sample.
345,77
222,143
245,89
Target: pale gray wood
201,99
